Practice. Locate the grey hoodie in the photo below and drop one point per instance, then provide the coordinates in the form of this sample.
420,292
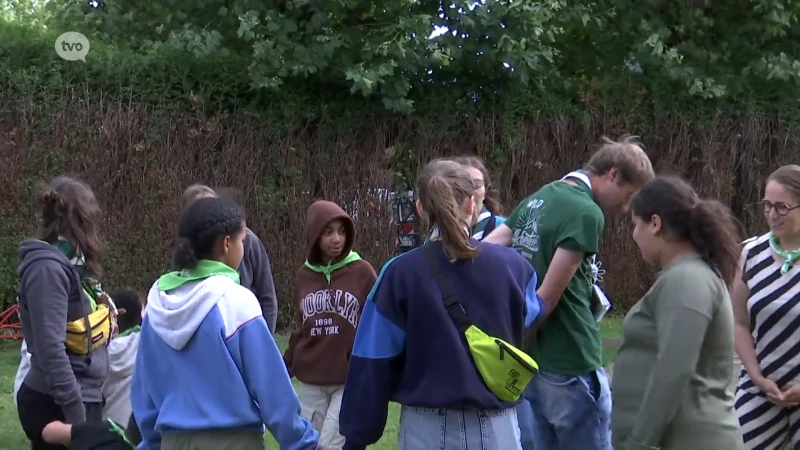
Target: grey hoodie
255,274
49,297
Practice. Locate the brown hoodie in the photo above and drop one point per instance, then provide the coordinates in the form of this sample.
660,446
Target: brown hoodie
328,301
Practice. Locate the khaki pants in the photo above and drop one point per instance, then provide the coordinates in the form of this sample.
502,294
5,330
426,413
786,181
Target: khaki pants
214,440
320,406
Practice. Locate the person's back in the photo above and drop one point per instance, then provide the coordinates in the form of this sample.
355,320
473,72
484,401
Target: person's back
558,230
208,373
438,371
408,348
122,357
563,215
255,272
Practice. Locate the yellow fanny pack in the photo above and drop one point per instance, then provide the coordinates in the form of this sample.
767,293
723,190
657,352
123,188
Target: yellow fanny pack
91,331
505,369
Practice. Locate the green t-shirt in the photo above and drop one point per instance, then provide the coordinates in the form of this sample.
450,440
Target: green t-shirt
562,215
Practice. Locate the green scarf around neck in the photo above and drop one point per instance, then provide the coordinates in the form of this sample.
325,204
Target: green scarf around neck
328,269
130,331
789,256
205,268
90,284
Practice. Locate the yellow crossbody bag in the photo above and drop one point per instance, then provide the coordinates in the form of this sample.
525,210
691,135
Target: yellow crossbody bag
505,369
91,331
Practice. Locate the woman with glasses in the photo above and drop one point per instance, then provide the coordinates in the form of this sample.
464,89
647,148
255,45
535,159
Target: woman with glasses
766,302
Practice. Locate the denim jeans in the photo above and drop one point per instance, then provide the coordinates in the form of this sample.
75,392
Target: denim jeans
457,429
569,412
525,419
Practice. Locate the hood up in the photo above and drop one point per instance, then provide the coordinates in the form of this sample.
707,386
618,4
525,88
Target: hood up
319,215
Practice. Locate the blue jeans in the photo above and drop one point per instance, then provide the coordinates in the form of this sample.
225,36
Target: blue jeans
457,429
569,412
525,419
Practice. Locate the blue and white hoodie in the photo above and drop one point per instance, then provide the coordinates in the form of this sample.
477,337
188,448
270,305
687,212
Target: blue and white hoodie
207,361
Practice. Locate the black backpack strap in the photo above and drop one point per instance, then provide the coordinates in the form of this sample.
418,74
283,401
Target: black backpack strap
451,302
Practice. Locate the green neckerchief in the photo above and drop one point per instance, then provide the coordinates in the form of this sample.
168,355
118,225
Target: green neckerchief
789,256
130,331
119,431
328,270
205,268
91,286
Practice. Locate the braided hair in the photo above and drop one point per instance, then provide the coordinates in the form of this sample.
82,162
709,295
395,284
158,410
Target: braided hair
203,223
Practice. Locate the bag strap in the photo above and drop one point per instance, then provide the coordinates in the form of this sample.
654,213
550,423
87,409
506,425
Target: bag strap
490,225
86,321
451,302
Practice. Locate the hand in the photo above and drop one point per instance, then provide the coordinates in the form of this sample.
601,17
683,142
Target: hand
791,395
58,433
771,390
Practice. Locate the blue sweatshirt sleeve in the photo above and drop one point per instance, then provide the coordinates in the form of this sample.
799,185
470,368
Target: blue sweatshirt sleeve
258,358
143,407
527,281
533,304
373,372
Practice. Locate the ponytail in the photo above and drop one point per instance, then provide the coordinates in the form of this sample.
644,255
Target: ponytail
444,188
707,224
714,233
446,213
184,256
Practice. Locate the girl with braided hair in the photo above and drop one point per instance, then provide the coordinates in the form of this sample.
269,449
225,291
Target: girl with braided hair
58,295
208,373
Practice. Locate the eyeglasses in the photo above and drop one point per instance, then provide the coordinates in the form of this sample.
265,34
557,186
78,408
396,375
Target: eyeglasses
781,209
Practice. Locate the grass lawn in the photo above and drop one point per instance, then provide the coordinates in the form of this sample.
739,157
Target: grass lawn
12,437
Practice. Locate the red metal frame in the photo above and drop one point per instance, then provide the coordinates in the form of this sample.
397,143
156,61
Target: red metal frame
9,323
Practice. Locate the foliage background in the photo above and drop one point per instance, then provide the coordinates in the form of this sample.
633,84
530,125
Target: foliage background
296,100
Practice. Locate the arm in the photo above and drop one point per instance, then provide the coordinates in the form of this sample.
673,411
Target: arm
46,285
501,235
560,272
682,311
373,373
745,345
258,358
263,284
578,236
143,407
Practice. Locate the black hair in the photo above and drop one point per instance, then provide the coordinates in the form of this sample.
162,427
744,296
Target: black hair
131,302
707,224
202,224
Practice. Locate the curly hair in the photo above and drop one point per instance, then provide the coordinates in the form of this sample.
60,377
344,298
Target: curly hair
70,211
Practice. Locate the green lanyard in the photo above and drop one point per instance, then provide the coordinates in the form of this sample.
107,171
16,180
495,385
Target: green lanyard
789,256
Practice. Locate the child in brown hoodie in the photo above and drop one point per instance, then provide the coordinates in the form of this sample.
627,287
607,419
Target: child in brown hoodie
329,292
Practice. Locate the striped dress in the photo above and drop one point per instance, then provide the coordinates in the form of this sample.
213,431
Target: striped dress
774,309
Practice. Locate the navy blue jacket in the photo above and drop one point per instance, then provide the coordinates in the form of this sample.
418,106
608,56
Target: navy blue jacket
407,348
